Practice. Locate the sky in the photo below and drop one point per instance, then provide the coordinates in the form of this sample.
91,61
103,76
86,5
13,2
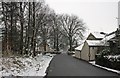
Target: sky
99,15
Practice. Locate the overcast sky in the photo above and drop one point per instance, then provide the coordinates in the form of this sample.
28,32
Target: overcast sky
99,15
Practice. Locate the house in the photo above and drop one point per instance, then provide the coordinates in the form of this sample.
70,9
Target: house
91,45
44,48
114,42
118,39
95,36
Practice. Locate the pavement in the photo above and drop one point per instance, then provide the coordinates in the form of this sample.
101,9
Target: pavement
66,65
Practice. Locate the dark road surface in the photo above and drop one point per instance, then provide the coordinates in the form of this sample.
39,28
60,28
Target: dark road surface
65,65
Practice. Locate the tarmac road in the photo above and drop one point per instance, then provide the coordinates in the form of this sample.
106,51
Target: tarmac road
65,65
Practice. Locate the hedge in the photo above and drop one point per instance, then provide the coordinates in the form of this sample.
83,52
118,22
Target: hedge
110,63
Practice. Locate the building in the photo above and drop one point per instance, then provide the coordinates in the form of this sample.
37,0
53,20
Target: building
118,30
114,42
93,45
95,36
89,48
95,42
42,48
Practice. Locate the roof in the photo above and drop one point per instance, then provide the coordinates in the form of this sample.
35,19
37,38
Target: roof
95,34
98,35
108,37
79,47
94,43
91,43
42,43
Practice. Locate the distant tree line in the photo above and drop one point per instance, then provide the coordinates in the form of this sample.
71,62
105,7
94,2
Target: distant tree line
27,24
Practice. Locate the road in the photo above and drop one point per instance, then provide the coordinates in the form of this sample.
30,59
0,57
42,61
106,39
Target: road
65,65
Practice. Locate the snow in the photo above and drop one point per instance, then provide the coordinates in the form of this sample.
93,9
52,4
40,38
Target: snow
94,43
108,37
79,47
112,56
98,35
93,63
25,66
91,42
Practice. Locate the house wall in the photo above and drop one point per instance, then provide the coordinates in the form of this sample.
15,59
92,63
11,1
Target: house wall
41,48
77,54
93,52
85,52
91,37
86,49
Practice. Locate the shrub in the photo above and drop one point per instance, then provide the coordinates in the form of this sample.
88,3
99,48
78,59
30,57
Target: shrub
105,52
113,63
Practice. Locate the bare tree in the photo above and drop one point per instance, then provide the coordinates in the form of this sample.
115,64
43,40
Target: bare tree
29,23
21,16
34,11
56,31
27,38
72,28
10,16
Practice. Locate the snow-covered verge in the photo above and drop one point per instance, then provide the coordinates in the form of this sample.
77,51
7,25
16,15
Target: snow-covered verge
93,63
25,66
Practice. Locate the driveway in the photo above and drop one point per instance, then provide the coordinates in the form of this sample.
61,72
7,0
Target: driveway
65,65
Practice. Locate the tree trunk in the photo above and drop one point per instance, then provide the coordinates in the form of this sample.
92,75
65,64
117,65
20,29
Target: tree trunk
21,30
27,31
54,38
11,25
44,45
34,28
57,47
5,42
70,40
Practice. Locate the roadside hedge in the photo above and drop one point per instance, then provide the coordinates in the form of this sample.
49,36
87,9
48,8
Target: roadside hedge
113,63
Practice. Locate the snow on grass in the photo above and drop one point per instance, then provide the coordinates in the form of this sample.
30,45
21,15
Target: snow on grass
93,63
25,66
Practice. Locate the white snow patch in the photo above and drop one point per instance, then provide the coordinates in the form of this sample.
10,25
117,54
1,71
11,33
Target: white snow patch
112,56
93,63
94,43
79,47
25,66
106,38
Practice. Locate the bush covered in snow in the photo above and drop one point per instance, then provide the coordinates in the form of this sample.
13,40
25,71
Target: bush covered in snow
109,61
